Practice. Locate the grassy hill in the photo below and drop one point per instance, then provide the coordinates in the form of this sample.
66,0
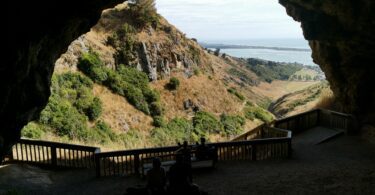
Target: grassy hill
136,81
299,101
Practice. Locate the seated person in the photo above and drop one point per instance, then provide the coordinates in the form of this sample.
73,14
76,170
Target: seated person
156,178
185,151
180,176
202,150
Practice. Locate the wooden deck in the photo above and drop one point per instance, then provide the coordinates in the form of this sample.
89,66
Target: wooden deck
344,165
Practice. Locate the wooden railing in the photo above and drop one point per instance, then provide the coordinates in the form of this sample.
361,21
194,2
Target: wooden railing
318,117
130,161
266,141
54,154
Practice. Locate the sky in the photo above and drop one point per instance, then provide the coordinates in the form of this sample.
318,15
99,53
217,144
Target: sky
230,19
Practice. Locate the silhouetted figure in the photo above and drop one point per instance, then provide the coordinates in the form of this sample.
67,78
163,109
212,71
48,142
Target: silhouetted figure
185,151
202,151
156,178
180,178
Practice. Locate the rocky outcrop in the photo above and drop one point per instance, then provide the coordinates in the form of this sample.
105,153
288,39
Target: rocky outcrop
38,32
341,35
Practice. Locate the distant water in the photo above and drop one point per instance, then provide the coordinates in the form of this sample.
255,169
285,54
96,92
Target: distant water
303,57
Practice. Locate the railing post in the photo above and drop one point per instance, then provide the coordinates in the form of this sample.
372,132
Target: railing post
53,156
254,153
97,162
289,148
136,164
318,117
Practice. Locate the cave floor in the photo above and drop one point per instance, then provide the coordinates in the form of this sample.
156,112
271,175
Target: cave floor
344,165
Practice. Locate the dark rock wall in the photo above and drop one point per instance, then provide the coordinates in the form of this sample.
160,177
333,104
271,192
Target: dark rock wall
341,35
38,32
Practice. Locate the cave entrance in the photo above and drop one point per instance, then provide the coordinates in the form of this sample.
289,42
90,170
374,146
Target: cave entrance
87,85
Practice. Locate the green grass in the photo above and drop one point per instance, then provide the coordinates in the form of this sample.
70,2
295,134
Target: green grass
236,93
269,71
126,81
252,112
68,112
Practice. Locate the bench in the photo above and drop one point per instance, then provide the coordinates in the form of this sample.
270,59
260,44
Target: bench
195,164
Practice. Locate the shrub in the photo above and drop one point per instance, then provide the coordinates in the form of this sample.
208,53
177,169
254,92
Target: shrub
156,109
197,72
151,95
252,112
236,93
174,83
233,125
177,130
90,64
64,118
32,130
95,109
144,13
159,121
205,123
128,82
135,97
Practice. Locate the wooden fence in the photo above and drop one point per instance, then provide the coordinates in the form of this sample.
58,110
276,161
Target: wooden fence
130,161
54,154
266,141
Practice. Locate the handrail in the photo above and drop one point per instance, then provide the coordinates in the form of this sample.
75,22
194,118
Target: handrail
53,154
266,141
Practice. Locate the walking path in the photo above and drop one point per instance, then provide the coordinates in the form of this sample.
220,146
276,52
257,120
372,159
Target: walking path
344,165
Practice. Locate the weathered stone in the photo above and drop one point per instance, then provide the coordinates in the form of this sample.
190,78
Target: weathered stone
38,32
146,63
341,35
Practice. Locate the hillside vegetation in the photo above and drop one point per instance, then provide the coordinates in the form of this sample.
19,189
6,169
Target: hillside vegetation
136,81
300,101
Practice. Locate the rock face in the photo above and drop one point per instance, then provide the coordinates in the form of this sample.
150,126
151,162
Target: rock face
38,32
341,35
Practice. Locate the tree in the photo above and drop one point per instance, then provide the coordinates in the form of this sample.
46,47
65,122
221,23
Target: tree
144,13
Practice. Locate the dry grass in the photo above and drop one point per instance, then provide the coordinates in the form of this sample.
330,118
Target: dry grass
326,100
209,95
119,114
277,89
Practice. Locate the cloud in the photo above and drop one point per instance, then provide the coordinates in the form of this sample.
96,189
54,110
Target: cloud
225,19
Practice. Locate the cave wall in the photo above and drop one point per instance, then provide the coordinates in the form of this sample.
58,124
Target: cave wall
341,36
340,33
37,33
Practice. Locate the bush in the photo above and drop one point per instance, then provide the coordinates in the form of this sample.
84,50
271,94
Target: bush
233,125
125,44
135,97
174,83
159,121
32,130
252,112
90,64
156,109
64,118
236,93
177,130
197,72
128,82
95,109
205,123
151,95
144,13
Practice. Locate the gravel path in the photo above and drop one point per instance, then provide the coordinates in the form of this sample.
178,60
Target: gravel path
345,165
